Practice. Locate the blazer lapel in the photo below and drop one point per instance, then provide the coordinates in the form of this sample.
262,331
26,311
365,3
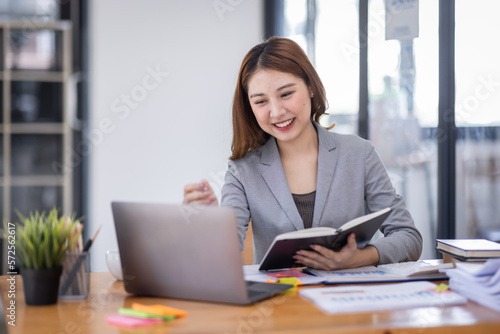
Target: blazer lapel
327,160
274,175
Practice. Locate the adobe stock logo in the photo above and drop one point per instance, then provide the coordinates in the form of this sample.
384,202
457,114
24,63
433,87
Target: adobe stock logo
486,88
138,93
223,6
121,107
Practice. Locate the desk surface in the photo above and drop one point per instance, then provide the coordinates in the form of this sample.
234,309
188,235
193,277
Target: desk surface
283,314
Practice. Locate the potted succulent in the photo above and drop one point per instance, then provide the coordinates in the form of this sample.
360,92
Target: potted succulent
41,244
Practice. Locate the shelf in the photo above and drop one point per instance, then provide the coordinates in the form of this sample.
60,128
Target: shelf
35,128
37,75
34,181
36,25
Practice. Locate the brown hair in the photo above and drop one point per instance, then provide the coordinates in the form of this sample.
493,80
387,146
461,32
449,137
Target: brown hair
279,54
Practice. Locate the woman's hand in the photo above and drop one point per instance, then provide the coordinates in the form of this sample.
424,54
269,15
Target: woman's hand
348,257
199,193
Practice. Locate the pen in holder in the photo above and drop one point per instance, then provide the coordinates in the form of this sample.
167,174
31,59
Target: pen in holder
75,278
74,268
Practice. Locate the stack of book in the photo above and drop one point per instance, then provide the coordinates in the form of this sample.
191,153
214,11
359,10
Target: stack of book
468,250
479,282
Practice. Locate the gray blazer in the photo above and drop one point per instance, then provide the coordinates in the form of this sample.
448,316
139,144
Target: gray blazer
352,181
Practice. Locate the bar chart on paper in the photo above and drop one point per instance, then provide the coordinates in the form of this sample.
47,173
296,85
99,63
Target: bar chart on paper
360,298
423,270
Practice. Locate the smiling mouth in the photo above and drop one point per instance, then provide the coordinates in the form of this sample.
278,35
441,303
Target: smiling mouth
284,124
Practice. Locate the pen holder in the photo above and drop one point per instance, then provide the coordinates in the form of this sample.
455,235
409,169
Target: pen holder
75,278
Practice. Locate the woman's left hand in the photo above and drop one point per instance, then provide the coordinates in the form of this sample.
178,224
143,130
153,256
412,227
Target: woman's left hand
348,257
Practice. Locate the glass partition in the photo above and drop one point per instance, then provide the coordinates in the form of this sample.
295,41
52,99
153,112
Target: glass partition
403,88
337,61
477,113
403,85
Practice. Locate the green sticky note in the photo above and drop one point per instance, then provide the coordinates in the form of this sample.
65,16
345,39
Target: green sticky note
138,314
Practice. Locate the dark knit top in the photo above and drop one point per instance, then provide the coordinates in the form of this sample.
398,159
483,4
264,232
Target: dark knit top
305,205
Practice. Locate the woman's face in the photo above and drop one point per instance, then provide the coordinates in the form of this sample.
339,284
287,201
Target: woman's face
281,103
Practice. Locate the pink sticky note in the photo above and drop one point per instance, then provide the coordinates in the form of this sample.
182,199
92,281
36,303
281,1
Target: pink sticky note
126,321
288,273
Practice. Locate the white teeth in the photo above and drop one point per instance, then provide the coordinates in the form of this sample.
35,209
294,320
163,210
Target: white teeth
282,125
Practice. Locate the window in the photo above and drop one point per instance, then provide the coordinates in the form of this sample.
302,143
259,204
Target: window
476,111
404,88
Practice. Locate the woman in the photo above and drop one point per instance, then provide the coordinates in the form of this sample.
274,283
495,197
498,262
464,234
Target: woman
287,172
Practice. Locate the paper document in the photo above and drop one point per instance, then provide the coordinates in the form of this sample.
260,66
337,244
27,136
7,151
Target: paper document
252,273
490,267
361,298
395,272
413,268
478,282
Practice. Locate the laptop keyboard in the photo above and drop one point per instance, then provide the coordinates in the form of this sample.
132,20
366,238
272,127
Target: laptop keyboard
260,290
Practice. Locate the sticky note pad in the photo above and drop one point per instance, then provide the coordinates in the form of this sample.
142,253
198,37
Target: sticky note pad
442,288
139,314
288,273
289,280
159,309
126,321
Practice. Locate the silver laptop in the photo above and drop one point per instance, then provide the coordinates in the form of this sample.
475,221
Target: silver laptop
184,252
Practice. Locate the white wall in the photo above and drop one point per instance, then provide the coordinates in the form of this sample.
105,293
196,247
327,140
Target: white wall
174,129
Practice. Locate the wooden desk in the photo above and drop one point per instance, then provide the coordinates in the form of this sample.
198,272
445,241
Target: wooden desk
283,314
